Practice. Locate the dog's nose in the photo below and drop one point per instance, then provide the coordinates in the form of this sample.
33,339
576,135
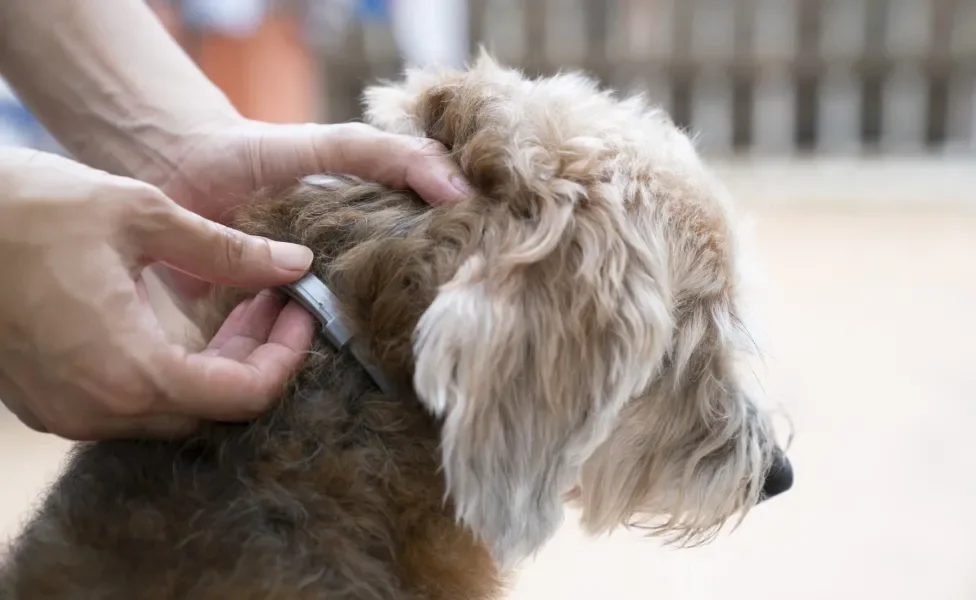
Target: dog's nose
779,478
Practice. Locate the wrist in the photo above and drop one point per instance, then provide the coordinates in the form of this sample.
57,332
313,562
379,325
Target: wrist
154,148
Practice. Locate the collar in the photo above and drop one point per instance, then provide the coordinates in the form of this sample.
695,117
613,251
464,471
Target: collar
316,297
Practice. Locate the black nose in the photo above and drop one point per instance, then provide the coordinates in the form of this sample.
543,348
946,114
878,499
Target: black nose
779,478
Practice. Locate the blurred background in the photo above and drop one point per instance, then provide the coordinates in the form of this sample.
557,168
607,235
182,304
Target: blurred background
847,131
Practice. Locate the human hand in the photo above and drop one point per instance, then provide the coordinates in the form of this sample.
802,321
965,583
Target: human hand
222,164
83,355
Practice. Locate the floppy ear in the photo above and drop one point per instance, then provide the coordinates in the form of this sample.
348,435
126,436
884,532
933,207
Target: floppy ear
528,353
395,106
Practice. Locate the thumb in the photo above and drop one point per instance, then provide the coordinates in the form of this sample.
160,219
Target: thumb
394,160
213,252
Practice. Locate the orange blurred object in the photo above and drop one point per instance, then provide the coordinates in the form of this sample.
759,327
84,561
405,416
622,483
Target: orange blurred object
269,75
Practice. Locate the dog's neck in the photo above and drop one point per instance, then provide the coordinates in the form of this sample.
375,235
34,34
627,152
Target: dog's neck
377,252
313,295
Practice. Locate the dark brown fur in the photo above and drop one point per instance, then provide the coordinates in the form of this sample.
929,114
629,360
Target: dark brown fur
333,494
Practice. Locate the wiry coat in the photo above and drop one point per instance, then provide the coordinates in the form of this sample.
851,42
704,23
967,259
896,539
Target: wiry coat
571,331
335,493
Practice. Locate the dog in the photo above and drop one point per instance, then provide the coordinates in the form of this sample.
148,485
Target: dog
570,335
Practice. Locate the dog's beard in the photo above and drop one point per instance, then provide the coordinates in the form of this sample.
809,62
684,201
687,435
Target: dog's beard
682,488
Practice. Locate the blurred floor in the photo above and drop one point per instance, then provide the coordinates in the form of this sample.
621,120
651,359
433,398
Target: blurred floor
871,320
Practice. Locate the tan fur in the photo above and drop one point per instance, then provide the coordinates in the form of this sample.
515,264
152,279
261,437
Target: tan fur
570,331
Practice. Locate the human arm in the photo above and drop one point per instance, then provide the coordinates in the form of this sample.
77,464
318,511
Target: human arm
108,82
120,95
116,90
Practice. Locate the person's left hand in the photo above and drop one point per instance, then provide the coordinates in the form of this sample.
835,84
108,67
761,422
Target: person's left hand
220,167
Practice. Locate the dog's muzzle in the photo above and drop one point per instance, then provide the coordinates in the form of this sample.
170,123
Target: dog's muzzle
779,478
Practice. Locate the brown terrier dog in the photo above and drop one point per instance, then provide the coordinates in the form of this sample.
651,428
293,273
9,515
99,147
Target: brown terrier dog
570,332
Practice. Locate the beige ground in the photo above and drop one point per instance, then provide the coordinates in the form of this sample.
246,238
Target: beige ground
872,324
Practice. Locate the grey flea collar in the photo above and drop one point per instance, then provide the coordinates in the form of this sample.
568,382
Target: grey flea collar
318,299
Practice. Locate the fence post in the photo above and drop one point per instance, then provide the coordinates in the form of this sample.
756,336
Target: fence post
641,48
712,47
648,28
904,102
841,45
412,23
596,16
774,48
961,134
505,30
565,24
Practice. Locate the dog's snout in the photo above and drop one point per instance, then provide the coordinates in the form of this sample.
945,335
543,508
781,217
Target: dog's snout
779,478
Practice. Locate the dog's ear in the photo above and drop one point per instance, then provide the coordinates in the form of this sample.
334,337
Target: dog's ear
410,106
397,107
551,323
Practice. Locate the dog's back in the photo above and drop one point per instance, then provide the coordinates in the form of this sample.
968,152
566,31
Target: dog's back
333,494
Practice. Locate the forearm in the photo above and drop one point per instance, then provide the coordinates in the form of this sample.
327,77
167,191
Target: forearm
108,82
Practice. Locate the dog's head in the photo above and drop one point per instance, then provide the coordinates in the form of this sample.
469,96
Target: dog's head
576,323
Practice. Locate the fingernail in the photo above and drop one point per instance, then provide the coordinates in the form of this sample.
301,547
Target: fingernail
290,257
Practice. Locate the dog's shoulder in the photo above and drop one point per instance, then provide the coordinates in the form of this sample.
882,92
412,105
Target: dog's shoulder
322,493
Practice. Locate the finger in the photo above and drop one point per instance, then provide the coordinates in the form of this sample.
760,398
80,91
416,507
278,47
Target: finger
217,387
436,179
294,329
242,334
231,324
168,233
398,161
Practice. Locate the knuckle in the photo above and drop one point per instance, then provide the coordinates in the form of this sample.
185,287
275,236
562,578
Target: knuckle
258,402
235,246
138,193
255,406
143,206
128,397
430,147
359,129
421,148
129,405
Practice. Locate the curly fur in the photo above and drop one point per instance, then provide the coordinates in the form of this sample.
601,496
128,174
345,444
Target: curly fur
570,332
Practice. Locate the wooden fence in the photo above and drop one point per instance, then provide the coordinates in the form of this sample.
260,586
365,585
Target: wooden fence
762,76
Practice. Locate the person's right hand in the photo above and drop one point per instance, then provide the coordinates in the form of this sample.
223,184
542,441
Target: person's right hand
82,354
